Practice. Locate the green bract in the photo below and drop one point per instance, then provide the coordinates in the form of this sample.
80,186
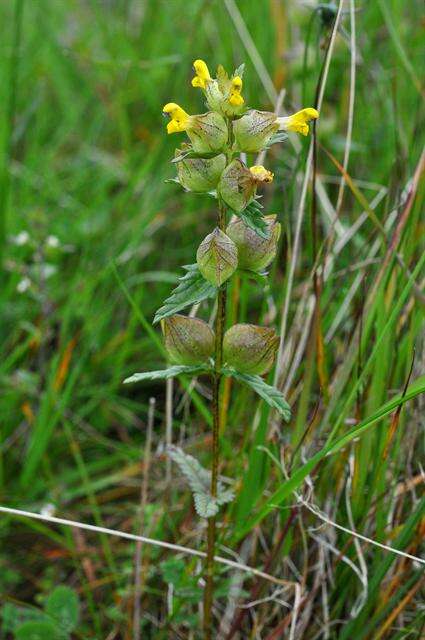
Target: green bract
217,257
188,340
200,174
237,186
250,349
254,252
208,132
254,130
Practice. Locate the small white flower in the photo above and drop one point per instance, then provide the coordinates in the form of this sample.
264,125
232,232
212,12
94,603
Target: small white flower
23,285
21,239
52,241
48,509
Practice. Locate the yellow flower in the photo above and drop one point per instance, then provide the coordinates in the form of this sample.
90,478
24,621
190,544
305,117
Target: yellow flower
298,122
261,174
235,98
179,119
202,74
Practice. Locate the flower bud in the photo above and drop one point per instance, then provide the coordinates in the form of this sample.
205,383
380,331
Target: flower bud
250,349
254,129
254,252
238,184
200,174
188,340
217,257
223,94
207,132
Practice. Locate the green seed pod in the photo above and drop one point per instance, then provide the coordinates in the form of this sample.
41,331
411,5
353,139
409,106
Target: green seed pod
217,257
207,132
188,340
200,174
254,252
237,186
254,129
250,349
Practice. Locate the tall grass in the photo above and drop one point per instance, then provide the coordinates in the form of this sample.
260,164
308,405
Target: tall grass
85,157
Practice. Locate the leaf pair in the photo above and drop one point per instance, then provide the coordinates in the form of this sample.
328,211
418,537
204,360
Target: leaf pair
270,394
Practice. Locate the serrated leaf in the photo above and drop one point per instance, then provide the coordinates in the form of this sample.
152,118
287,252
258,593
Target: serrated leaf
197,477
64,606
170,372
192,288
279,136
271,395
206,506
253,217
199,480
224,496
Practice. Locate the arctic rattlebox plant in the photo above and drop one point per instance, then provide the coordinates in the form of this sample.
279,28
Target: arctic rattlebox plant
244,239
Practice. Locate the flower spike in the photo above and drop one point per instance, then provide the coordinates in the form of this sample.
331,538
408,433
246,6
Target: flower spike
298,122
202,74
179,118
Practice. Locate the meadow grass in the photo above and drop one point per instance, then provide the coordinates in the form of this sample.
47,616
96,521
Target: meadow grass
91,242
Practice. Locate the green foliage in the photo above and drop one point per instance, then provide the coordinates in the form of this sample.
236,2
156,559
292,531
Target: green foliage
83,163
171,372
253,216
63,606
270,394
199,480
42,630
193,288
58,619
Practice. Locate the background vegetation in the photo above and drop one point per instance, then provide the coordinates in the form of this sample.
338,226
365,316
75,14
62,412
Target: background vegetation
91,239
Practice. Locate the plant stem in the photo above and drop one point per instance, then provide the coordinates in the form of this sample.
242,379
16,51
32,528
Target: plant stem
211,533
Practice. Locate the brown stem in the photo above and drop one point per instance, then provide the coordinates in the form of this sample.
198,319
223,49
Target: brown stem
211,534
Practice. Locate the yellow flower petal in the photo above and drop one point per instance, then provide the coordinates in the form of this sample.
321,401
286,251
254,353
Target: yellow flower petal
179,118
298,122
202,74
235,99
261,174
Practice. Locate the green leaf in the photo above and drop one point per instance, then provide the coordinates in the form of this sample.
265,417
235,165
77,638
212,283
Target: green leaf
253,217
270,394
64,606
163,374
206,506
197,477
13,616
37,630
199,480
192,288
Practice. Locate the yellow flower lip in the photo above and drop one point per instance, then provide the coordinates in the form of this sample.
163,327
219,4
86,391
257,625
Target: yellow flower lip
298,122
202,76
261,174
179,119
235,98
